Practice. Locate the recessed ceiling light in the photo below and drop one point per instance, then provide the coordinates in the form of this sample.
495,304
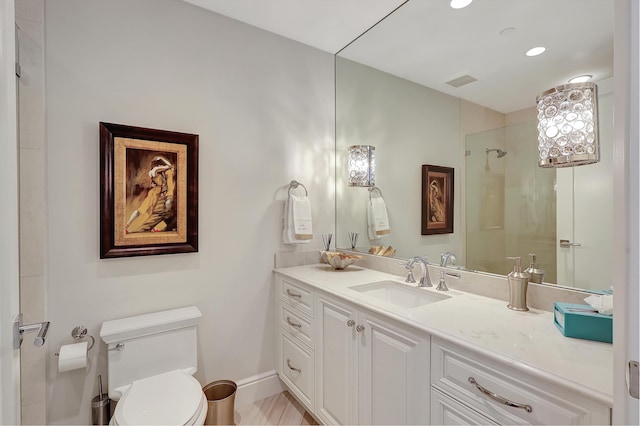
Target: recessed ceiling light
581,78
536,51
459,4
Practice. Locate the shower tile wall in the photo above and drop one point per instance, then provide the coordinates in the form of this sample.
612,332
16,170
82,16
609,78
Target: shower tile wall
33,235
510,201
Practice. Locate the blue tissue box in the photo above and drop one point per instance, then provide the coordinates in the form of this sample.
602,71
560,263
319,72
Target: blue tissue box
583,322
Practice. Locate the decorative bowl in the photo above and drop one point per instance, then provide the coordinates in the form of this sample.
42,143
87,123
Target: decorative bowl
339,260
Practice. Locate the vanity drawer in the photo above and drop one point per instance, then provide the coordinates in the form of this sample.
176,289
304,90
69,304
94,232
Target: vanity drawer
296,326
296,296
448,411
485,386
297,369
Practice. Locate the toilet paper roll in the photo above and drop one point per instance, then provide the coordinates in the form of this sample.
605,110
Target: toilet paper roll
72,357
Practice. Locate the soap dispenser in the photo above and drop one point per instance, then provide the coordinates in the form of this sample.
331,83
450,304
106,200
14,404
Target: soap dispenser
537,274
518,282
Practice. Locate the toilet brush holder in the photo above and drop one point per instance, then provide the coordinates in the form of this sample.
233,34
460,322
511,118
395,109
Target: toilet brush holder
101,409
100,406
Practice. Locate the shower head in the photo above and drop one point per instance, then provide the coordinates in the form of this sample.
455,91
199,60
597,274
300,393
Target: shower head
500,152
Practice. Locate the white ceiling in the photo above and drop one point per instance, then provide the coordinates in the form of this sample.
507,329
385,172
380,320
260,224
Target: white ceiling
328,25
427,42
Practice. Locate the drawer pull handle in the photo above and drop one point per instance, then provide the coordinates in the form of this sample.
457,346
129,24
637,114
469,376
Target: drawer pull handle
291,367
293,324
351,323
359,328
292,294
498,398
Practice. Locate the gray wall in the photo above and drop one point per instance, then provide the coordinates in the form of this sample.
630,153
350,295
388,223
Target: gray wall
410,125
263,107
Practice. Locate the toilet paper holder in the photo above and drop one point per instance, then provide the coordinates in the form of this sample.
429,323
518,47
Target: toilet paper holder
80,332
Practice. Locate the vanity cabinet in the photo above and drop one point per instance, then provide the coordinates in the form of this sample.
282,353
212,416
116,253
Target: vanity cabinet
369,370
295,337
348,364
469,388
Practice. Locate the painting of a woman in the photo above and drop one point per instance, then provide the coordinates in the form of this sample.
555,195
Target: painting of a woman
154,200
436,201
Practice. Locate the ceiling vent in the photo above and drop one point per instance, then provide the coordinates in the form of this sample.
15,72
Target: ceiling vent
461,81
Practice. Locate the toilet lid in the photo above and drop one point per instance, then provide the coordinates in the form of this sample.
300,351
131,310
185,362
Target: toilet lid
173,398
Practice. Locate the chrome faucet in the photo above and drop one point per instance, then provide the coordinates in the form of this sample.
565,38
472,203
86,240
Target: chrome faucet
425,281
442,285
445,257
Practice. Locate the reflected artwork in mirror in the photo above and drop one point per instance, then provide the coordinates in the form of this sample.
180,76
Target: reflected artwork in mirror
437,200
392,92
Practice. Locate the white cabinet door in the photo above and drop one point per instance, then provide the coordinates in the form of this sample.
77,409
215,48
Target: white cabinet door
369,370
336,370
393,374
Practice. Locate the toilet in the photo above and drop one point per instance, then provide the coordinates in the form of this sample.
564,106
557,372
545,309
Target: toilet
151,361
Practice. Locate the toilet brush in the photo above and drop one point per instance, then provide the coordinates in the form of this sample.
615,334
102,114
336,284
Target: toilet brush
100,386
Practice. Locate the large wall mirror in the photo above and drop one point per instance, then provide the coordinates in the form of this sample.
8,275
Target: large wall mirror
454,88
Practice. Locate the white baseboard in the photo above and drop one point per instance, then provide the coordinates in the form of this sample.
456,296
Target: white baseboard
257,387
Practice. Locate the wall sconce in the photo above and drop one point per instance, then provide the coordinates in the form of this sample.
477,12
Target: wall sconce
361,165
568,125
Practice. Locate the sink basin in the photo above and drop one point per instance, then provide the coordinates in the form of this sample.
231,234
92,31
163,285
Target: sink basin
398,294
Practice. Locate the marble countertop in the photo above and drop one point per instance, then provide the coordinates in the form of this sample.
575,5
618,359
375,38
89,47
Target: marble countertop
528,341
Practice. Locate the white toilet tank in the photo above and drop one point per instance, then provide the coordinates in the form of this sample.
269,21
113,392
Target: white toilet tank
147,345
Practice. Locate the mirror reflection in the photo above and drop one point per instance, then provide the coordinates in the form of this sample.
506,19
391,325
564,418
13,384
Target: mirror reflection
392,93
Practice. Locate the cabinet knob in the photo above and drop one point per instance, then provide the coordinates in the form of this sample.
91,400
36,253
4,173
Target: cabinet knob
351,323
360,328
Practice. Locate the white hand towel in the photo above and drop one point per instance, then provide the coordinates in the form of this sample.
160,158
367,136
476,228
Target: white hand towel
380,218
297,221
303,229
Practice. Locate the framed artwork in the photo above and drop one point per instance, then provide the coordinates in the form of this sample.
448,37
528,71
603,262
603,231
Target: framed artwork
437,200
148,191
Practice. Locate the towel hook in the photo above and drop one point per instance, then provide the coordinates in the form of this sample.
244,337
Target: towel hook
374,188
294,184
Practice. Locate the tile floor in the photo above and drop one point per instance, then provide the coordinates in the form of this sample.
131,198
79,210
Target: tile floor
279,409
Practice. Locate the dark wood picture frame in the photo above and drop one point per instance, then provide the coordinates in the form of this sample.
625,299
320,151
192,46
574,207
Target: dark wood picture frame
437,200
148,191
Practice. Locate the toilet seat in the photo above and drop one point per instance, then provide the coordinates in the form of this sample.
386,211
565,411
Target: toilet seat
173,398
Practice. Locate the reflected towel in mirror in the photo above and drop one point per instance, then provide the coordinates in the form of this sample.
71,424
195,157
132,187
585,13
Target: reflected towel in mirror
377,218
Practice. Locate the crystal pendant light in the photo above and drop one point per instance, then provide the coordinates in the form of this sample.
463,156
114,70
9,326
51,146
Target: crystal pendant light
568,125
361,165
